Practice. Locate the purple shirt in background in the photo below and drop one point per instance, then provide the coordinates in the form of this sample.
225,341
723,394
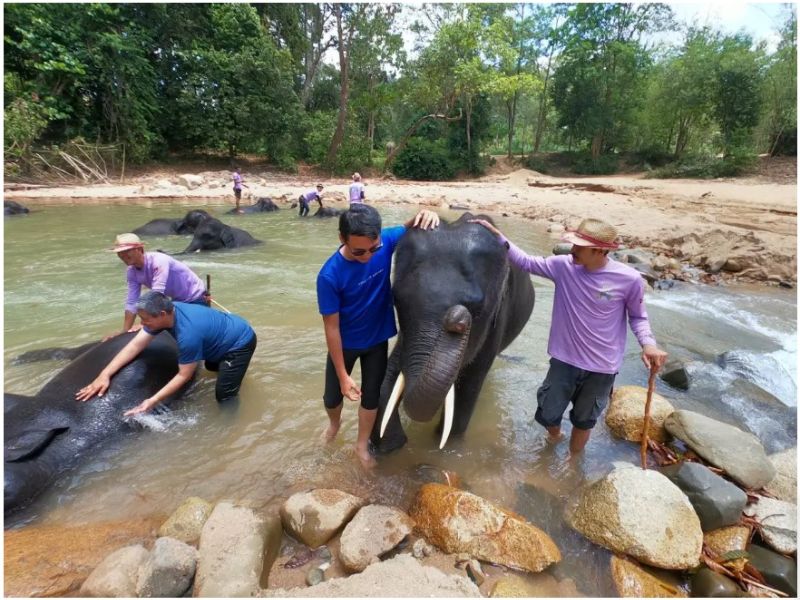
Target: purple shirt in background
237,181
162,273
588,328
356,192
312,195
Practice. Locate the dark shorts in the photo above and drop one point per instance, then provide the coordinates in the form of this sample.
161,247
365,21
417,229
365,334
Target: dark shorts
231,369
564,384
237,193
373,368
303,206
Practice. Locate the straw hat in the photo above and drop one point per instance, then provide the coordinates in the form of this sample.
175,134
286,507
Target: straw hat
593,233
126,241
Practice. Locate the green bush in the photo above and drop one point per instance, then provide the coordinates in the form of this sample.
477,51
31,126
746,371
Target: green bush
537,163
424,160
706,167
605,164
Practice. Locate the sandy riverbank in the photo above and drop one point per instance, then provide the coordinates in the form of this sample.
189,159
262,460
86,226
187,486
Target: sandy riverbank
735,229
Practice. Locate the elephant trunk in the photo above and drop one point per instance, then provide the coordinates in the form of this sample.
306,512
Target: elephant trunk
427,391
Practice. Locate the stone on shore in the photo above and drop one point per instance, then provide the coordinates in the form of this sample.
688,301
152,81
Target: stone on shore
634,581
642,514
675,375
717,502
778,521
314,517
738,453
457,521
190,181
373,531
116,575
708,584
625,415
778,571
233,544
727,539
168,570
186,523
784,485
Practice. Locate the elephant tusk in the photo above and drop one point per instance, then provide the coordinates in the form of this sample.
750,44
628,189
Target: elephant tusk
394,397
449,405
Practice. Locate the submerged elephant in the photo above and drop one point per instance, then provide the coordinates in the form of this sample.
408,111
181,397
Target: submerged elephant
14,208
49,433
326,211
459,304
260,205
188,224
213,234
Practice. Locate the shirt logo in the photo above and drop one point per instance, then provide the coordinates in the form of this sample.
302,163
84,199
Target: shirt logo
605,294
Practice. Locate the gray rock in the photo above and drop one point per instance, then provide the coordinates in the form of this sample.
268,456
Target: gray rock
232,549
718,503
115,576
186,523
778,523
314,517
708,584
421,549
315,576
639,513
675,375
738,453
784,484
778,571
564,248
373,531
168,571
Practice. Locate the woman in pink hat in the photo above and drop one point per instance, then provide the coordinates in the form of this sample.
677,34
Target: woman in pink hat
594,297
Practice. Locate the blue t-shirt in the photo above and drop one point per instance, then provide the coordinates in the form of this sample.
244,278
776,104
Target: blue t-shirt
361,293
203,333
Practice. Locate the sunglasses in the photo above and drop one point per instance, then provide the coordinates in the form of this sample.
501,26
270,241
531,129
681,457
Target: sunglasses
362,252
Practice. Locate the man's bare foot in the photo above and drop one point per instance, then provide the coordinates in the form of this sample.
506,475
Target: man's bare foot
330,433
554,438
366,459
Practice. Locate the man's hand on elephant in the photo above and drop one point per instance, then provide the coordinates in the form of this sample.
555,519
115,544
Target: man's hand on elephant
426,219
488,226
112,335
98,386
653,357
135,328
144,407
350,390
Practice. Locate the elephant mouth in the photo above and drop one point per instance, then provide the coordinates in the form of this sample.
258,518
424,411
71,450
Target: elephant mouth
437,379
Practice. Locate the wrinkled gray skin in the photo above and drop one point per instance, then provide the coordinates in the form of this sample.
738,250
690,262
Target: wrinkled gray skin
459,304
213,234
188,224
325,212
260,205
47,434
11,208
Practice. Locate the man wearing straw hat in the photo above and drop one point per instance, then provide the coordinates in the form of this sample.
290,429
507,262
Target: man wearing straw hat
159,272
594,296
226,342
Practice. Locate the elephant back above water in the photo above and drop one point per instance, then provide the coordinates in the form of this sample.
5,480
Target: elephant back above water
11,208
259,206
213,234
186,225
459,303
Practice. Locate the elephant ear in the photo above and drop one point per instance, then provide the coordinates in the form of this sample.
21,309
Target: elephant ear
227,237
29,443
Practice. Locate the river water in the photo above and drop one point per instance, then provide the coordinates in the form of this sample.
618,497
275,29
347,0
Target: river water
63,289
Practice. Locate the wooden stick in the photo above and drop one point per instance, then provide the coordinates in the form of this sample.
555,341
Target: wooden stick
651,384
220,306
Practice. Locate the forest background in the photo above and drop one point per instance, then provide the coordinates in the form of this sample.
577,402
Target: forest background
581,87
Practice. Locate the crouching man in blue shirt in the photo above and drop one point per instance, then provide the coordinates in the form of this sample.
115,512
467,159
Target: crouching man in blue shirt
355,300
225,341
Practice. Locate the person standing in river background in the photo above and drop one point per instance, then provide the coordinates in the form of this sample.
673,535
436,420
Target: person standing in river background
309,197
354,295
237,187
593,297
357,195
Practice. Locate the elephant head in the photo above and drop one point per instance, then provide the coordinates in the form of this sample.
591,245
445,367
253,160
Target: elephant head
191,221
455,313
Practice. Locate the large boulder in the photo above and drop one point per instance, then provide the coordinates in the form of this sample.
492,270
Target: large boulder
168,570
233,544
373,531
778,571
116,575
457,521
314,517
784,485
634,581
186,523
190,181
737,452
625,415
639,513
778,523
717,502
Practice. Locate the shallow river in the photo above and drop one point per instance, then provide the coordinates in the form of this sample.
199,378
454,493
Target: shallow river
63,289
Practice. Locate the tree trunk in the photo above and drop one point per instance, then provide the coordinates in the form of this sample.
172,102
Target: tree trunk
371,136
469,134
542,108
344,92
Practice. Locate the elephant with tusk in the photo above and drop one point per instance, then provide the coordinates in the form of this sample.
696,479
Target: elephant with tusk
459,304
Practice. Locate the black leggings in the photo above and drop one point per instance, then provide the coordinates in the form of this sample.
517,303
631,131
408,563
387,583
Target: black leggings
373,368
303,206
231,369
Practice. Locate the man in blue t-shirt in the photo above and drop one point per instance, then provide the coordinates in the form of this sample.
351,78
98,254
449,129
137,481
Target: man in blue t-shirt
355,300
225,341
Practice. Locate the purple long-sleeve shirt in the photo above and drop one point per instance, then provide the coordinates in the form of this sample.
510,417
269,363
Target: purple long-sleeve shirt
162,273
588,328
